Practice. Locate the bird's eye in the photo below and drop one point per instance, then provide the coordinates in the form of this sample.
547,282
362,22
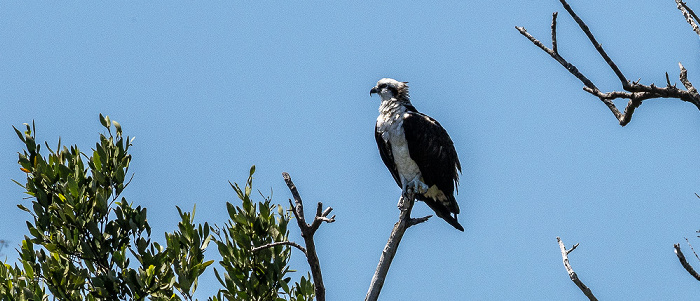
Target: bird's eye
382,86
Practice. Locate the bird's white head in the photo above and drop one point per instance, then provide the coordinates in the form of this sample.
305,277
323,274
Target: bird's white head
389,88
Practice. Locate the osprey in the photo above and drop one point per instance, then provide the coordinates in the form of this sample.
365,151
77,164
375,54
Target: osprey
417,150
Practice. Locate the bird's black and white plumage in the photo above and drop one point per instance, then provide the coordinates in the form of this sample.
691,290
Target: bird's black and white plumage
417,150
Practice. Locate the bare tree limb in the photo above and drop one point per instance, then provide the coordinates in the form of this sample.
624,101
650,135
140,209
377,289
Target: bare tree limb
554,32
635,92
405,221
565,257
692,249
307,232
689,15
595,43
279,243
684,262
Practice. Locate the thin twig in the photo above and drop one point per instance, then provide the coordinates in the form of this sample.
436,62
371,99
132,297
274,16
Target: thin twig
595,43
572,69
684,262
287,243
565,257
554,32
692,249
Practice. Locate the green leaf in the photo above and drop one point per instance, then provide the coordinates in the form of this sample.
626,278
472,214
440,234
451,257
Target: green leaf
28,269
104,121
118,127
97,160
20,206
19,134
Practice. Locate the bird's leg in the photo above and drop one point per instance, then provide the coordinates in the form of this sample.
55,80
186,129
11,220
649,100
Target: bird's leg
417,185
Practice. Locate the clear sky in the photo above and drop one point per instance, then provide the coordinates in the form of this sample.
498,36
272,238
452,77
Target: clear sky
209,89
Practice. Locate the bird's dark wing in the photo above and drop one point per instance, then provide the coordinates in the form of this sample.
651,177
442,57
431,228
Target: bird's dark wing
387,155
433,151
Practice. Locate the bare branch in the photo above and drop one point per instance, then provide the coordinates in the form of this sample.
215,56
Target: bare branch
324,219
288,243
684,262
572,69
565,257
689,15
299,206
418,220
554,32
307,232
692,249
405,221
595,43
635,92
326,212
321,217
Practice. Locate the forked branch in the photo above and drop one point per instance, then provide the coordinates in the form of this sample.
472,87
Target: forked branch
565,257
634,91
307,232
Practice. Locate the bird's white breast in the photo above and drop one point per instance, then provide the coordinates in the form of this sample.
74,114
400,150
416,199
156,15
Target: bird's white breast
390,125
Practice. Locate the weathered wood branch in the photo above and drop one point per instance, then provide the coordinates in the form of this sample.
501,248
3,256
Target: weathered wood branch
689,15
405,221
684,262
634,91
565,257
307,232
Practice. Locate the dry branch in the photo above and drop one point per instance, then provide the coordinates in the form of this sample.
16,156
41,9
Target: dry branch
634,91
689,15
307,232
565,257
405,221
684,262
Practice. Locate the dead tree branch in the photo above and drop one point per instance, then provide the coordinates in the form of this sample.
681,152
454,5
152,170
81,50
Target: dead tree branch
634,91
689,15
307,232
684,262
565,257
405,221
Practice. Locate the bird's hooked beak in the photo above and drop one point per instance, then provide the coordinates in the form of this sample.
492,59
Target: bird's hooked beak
373,91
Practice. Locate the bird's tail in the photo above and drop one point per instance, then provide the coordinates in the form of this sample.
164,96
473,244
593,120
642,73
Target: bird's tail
452,221
443,213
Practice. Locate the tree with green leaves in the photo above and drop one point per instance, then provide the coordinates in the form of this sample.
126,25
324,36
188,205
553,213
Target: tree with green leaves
251,272
84,236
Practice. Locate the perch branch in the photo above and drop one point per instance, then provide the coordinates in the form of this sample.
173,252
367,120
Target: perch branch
307,232
565,257
279,243
634,91
405,221
684,262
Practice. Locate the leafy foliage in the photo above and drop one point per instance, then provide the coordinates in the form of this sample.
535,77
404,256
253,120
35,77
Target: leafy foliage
83,233
260,274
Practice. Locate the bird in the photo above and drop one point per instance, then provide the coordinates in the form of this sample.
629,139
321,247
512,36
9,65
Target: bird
417,151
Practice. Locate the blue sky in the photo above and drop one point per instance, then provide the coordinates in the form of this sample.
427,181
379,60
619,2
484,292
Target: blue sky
210,89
